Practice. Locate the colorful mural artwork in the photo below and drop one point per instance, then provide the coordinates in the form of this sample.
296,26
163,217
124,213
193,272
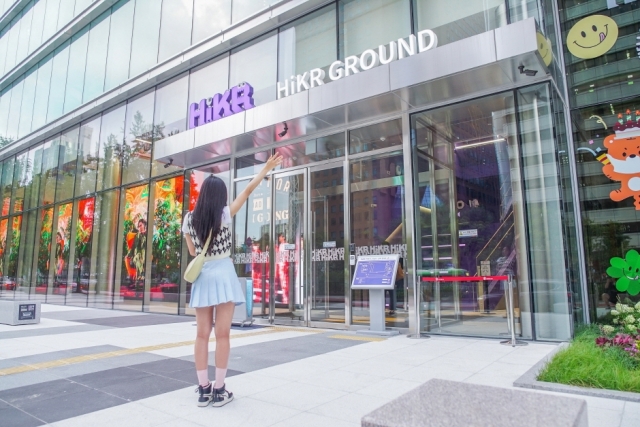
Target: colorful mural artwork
84,232
44,248
167,237
14,246
136,207
3,243
63,237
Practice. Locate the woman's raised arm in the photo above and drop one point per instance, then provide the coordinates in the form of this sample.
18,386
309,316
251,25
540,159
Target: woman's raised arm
273,161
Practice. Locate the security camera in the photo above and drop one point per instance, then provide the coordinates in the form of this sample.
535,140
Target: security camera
529,73
170,163
284,132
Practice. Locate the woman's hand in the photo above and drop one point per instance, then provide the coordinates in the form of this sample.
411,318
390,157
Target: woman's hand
273,162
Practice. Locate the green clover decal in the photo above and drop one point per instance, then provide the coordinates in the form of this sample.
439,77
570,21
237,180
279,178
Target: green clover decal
627,271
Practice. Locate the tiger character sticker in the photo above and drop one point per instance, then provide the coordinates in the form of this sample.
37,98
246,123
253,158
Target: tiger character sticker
622,160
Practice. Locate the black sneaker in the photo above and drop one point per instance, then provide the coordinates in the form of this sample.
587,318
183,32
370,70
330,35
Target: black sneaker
205,395
221,396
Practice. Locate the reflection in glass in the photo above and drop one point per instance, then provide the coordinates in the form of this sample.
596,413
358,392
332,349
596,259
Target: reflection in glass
68,160
367,24
50,155
77,65
251,164
170,117
208,80
168,199
14,110
60,267
263,78
14,248
307,43
175,27
60,63
544,206
210,17
25,262
139,137
119,49
7,184
103,250
146,30
42,92
454,20
28,101
111,148
96,57
252,225
244,8
374,137
83,216
289,220
377,213
88,152
51,18
314,150
4,236
129,289
44,253
327,290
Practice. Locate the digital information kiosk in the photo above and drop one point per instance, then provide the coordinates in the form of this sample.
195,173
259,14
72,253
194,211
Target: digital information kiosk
376,273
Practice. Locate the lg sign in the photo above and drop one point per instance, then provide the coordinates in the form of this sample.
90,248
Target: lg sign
232,101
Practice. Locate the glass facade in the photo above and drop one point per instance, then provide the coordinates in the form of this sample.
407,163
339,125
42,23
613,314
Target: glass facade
90,217
604,98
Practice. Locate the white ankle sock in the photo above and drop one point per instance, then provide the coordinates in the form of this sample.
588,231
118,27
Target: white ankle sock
220,374
203,377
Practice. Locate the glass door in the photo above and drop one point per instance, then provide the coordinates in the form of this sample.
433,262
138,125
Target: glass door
286,293
326,209
465,177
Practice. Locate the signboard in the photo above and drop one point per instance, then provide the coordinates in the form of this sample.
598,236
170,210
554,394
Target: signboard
468,233
375,272
235,100
328,244
485,268
26,312
289,246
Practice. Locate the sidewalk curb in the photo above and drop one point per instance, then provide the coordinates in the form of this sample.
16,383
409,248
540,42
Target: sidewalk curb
528,380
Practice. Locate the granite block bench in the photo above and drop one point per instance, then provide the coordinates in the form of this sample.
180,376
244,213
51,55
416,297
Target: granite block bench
19,312
440,403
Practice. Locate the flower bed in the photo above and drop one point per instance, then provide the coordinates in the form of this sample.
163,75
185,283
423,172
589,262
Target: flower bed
605,356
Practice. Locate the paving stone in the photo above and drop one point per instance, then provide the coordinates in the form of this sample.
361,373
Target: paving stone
441,403
143,387
136,321
16,418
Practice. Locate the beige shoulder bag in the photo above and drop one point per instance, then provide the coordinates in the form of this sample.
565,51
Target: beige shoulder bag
195,266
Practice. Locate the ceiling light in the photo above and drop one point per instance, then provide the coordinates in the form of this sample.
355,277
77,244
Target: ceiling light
476,144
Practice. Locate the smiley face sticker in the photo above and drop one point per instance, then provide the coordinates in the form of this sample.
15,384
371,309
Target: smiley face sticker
592,36
544,48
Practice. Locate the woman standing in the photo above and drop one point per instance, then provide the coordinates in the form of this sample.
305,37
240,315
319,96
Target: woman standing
217,285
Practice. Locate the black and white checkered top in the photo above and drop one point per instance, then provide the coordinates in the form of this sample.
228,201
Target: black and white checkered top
220,245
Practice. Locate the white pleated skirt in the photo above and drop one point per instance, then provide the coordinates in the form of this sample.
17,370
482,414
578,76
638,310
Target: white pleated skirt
217,284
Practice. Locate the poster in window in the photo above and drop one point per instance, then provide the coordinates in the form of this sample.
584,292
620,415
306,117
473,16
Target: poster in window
63,237
14,245
44,248
167,237
136,207
4,223
84,231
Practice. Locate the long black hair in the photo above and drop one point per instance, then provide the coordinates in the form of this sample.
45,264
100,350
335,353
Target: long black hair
207,215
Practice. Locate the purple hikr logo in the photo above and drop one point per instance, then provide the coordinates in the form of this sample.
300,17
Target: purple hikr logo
234,100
